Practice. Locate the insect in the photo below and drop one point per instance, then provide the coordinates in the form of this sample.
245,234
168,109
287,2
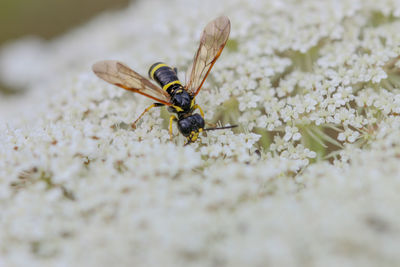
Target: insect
179,99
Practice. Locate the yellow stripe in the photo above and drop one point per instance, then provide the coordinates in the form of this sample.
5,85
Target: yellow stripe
156,68
179,109
165,87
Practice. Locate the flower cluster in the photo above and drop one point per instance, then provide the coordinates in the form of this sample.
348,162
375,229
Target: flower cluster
310,175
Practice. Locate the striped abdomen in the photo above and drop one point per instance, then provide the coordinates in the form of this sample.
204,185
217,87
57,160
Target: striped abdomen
165,76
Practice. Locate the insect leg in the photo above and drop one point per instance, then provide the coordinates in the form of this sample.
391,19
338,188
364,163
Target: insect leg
199,108
171,119
147,109
176,70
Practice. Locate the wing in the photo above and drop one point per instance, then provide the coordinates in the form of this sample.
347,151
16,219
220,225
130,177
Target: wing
121,75
212,42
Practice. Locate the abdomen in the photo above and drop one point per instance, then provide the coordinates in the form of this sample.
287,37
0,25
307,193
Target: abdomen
164,75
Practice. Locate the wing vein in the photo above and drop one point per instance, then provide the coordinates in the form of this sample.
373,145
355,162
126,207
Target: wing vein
212,42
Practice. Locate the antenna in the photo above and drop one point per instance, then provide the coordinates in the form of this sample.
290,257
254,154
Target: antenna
220,128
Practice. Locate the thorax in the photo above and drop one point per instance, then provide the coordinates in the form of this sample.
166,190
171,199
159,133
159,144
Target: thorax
182,99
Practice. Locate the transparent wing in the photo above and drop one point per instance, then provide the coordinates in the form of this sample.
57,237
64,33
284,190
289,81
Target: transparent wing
121,75
212,42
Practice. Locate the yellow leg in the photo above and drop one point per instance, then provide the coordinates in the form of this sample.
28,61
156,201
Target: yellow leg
147,109
199,108
171,119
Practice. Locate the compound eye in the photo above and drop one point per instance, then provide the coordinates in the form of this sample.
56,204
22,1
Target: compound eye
198,121
185,127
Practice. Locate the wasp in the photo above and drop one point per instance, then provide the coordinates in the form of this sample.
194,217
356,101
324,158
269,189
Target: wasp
179,98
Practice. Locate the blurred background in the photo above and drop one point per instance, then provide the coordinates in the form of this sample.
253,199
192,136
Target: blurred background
46,19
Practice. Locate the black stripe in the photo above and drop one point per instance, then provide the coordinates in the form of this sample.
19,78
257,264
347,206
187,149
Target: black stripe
164,75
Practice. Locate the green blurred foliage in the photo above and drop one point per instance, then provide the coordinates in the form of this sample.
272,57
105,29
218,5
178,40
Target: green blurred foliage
47,18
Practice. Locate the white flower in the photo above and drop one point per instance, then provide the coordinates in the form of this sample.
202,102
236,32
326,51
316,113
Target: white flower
291,133
313,86
348,135
249,100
